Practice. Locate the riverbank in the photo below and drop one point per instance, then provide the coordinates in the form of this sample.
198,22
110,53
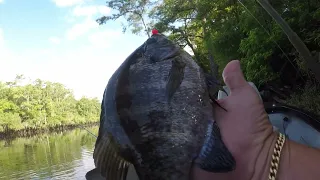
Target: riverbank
11,134
55,155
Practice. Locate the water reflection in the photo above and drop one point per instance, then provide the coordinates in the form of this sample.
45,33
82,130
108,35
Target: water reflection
66,155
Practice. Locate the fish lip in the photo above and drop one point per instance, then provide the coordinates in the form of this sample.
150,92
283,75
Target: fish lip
170,57
172,54
149,48
159,46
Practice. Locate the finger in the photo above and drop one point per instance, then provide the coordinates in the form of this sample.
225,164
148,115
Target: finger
233,76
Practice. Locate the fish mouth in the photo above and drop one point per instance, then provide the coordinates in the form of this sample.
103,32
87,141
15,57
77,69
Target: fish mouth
158,48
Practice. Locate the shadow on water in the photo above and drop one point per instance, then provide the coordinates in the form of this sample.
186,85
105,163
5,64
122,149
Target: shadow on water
64,155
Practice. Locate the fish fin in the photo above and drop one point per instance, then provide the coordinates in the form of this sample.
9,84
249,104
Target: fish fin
175,77
214,67
212,85
211,81
215,103
94,174
214,155
108,160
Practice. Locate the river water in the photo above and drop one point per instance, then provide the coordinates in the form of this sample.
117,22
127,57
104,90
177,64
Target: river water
64,155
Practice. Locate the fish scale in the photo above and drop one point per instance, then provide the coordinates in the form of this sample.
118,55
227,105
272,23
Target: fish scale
151,101
159,149
157,116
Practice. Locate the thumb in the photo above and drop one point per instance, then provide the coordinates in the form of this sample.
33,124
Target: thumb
233,76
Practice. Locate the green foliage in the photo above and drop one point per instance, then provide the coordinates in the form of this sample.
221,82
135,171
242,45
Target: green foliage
133,11
227,30
42,105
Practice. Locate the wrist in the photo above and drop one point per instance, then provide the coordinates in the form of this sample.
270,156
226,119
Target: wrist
262,168
262,165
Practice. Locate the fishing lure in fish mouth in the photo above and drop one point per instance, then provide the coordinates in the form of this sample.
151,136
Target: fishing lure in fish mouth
156,115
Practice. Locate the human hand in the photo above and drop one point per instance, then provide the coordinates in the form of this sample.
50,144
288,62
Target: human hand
245,129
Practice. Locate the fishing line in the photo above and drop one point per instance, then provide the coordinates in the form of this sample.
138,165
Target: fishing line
285,125
301,138
88,131
272,40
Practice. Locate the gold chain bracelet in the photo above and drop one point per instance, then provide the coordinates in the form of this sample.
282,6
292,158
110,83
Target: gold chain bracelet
276,157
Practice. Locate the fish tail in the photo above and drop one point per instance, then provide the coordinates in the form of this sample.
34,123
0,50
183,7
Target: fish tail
214,155
108,161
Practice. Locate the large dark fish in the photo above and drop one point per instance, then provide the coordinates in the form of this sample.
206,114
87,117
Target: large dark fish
156,115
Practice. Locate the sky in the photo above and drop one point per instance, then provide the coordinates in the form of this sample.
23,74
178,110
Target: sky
60,41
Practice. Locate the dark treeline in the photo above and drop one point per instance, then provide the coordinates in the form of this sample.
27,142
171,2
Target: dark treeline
237,29
42,105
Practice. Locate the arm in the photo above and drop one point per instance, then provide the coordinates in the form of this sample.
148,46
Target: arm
297,161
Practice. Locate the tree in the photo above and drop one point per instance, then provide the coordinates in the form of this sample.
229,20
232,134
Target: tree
294,39
234,29
133,11
42,104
